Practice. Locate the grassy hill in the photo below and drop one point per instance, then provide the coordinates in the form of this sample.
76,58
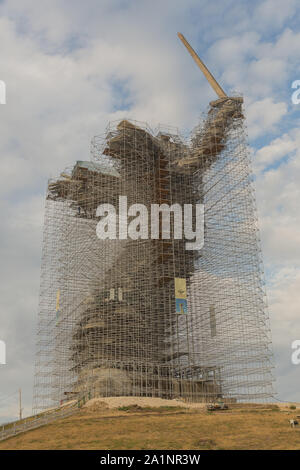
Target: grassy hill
135,427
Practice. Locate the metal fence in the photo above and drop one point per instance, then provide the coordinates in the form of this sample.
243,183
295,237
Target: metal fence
34,422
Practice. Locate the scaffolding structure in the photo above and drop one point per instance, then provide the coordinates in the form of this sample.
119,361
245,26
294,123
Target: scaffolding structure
111,321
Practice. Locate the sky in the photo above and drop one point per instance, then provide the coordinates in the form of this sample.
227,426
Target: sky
70,67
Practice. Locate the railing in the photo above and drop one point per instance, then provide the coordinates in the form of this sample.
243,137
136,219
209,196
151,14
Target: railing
33,422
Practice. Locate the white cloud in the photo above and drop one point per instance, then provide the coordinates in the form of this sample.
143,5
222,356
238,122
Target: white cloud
263,115
274,13
278,148
284,301
278,194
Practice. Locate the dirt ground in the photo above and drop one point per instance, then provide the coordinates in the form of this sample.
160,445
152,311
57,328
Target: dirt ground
172,426
117,402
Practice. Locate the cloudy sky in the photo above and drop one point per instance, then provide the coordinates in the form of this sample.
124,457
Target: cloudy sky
72,66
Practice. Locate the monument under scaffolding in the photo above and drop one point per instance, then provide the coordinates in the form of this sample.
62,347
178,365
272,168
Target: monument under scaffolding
146,317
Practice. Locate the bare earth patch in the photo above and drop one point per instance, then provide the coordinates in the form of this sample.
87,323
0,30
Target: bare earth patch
119,402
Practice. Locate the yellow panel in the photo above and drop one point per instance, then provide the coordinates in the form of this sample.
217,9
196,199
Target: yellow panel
180,288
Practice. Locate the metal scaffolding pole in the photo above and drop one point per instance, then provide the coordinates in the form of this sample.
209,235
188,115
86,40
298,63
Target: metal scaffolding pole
110,321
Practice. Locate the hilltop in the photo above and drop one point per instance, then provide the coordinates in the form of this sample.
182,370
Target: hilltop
113,423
